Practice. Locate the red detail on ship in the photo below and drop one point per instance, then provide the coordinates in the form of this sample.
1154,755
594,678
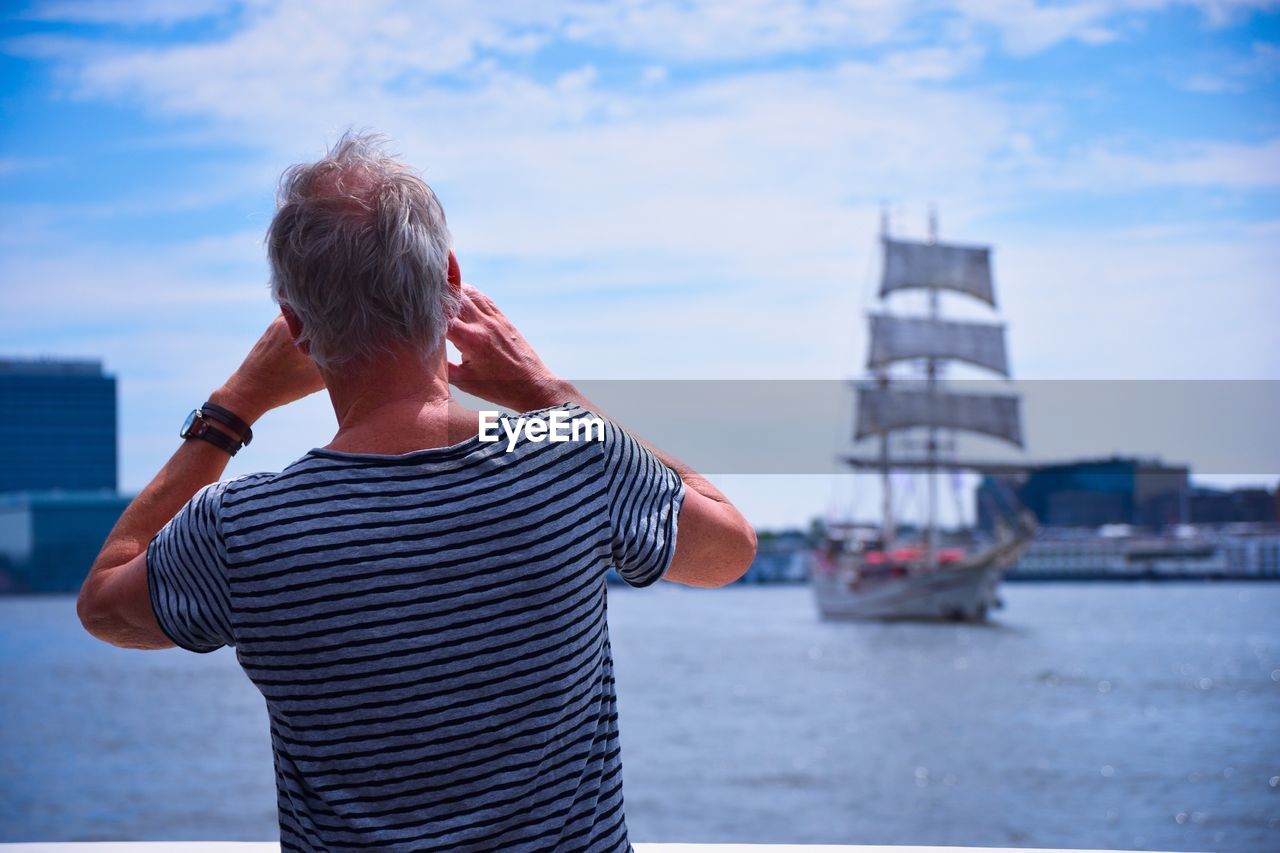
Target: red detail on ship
914,554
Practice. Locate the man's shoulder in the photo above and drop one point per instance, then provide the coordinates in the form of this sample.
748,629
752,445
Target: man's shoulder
568,408
574,421
232,487
536,432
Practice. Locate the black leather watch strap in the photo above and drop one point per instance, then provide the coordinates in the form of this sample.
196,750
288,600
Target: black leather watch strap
201,428
229,418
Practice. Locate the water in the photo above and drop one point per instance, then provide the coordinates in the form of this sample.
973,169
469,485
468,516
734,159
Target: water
1115,716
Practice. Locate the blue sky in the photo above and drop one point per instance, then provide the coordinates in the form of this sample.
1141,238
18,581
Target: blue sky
651,189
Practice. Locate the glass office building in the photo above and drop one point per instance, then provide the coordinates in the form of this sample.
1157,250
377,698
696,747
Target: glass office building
57,425
58,498
1095,492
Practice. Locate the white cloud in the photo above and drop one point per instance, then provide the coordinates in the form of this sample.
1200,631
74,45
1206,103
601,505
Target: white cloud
1166,302
734,180
127,12
1222,13
654,74
932,63
16,165
741,29
1027,27
714,30
1211,165
51,285
1236,73
717,228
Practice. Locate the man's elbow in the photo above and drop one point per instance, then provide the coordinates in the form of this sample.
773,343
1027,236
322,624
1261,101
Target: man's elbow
747,547
101,616
92,612
86,607
113,611
738,554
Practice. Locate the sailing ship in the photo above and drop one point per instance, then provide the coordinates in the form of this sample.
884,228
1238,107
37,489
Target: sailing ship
878,577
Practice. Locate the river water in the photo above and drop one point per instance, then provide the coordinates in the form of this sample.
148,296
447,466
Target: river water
1124,716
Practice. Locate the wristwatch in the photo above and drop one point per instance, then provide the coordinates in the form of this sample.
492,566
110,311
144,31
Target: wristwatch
197,425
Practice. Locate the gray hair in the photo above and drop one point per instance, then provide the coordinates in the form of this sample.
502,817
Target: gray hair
359,249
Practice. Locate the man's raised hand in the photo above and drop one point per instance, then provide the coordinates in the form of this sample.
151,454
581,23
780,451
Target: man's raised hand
497,363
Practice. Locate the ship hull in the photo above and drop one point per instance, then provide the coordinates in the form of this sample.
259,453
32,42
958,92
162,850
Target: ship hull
959,593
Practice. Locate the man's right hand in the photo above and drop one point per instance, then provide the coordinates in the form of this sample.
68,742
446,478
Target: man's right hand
498,364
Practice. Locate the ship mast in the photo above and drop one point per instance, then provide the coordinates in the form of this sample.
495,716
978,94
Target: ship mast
888,525
931,446
885,406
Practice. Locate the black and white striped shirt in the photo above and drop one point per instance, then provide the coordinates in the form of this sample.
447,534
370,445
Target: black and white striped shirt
428,630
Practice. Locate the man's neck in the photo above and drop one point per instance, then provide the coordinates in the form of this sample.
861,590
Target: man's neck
396,403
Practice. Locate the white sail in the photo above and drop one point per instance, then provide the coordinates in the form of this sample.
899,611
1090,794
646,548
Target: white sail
897,338
966,269
886,409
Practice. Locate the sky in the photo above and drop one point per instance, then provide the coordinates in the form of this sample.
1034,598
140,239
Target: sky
651,190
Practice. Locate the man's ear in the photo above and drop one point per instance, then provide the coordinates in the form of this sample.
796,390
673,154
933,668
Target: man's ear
295,328
455,271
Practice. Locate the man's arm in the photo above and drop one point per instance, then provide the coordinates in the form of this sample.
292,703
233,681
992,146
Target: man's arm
115,603
715,545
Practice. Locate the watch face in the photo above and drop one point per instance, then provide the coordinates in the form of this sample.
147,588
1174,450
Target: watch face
186,425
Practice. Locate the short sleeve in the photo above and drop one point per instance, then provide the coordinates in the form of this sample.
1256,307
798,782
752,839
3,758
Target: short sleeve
187,575
644,498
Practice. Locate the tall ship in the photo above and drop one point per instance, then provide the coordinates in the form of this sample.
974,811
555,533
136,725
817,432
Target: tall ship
913,421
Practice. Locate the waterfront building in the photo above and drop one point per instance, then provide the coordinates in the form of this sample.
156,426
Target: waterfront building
1092,493
1227,506
1252,550
48,539
1119,490
58,471
781,557
57,425
1122,552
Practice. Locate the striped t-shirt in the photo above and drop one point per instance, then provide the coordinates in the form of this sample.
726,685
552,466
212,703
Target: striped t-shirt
428,630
